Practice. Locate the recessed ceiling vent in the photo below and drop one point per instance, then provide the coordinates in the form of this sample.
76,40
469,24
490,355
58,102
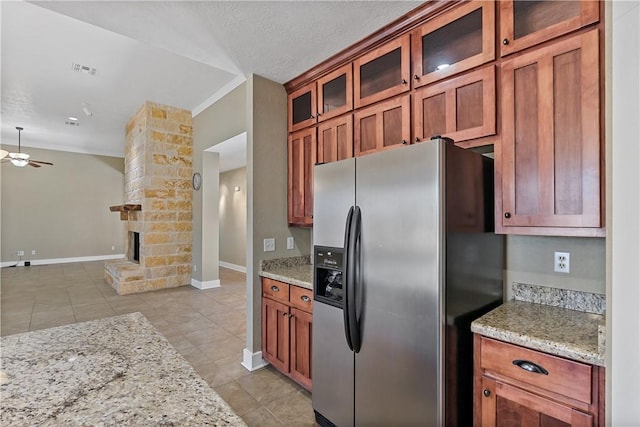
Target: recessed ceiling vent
72,123
79,68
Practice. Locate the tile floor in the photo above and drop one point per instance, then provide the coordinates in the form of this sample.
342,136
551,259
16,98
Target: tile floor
207,327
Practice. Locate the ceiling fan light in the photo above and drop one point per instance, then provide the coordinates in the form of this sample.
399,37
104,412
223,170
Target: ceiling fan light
19,156
19,162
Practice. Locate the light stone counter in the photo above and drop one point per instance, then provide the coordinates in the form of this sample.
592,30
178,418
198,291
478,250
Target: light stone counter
296,271
117,371
555,330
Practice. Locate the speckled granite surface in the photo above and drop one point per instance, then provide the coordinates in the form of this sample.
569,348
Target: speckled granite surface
117,371
560,331
573,300
296,271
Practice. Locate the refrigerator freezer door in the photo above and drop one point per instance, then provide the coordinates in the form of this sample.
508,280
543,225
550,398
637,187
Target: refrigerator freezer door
333,195
397,371
333,369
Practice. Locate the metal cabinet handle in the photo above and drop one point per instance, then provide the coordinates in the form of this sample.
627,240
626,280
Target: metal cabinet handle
507,215
404,142
305,298
486,393
404,82
290,316
505,42
417,139
415,77
274,288
530,367
285,314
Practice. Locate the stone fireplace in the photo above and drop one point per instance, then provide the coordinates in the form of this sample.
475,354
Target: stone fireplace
158,202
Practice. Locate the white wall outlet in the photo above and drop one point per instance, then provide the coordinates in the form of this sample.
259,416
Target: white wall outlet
561,262
113,248
195,267
20,253
290,243
33,251
269,244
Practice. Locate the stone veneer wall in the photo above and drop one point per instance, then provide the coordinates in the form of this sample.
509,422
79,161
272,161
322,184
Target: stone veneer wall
158,170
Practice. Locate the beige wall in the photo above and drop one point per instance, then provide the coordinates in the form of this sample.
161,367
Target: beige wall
267,191
233,217
62,211
529,259
219,122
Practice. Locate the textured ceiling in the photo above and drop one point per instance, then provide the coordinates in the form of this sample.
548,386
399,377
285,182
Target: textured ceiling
180,53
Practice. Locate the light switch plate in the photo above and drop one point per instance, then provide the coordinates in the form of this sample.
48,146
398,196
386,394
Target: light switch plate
290,243
269,244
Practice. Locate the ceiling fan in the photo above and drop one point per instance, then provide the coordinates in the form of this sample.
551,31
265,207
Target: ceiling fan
21,159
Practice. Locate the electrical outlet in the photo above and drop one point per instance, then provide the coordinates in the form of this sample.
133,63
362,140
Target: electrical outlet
561,262
33,251
269,244
113,248
290,243
20,253
195,267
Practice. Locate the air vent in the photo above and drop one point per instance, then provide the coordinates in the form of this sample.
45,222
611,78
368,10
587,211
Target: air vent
83,69
72,123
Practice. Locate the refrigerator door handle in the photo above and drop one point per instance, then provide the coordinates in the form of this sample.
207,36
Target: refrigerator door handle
347,263
355,284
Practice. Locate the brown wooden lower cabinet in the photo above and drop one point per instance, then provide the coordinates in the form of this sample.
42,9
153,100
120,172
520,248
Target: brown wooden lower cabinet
287,329
519,387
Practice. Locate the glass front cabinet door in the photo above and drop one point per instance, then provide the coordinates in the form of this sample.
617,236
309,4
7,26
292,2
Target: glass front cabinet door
382,73
335,93
525,23
453,42
302,107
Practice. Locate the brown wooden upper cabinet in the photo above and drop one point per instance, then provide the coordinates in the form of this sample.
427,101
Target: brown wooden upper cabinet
458,40
302,151
525,23
302,107
550,162
335,93
382,126
382,73
461,108
335,139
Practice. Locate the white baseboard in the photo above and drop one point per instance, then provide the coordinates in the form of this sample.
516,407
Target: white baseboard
235,267
253,361
210,284
62,260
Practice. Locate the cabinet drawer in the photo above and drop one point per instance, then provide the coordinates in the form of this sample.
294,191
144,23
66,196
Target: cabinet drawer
301,298
276,290
565,377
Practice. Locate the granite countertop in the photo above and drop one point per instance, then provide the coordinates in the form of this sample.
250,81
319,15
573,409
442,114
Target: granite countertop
556,330
117,371
296,271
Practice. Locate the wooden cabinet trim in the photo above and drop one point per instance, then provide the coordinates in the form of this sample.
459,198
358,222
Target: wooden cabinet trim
488,42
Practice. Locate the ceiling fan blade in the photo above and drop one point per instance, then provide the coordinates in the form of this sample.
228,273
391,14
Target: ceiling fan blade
41,162
34,164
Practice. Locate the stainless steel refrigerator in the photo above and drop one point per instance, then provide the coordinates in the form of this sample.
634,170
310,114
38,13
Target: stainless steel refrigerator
405,258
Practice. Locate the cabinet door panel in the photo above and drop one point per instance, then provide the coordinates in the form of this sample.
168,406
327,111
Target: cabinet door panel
527,23
275,333
382,126
382,73
453,42
302,151
301,338
335,93
550,159
302,107
462,108
335,139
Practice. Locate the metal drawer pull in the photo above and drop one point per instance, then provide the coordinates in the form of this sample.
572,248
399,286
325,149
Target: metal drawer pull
274,288
530,367
305,298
